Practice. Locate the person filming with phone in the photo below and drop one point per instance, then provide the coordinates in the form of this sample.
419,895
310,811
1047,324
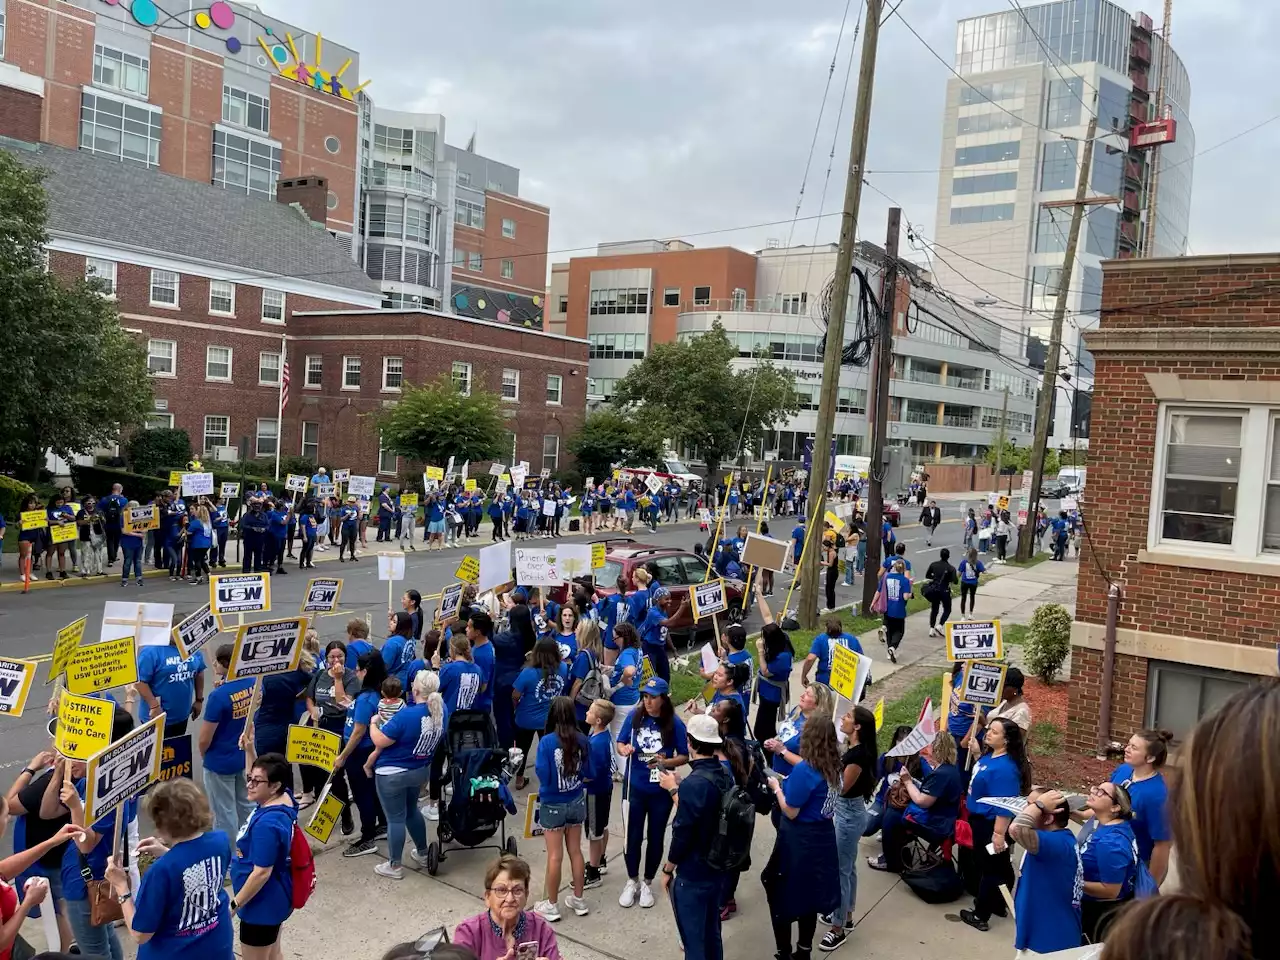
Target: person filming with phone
506,930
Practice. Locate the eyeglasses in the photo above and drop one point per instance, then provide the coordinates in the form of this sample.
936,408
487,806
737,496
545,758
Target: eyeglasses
251,781
1101,792
503,892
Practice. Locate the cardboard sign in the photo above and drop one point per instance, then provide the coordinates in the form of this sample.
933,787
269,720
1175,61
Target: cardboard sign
324,490
849,672
322,595
197,484
84,726
16,677
983,682
500,487
240,593
1002,503
878,713
391,566
1070,504
102,666
974,640
175,478
230,490
408,500
536,568
705,516
63,532
494,568
124,769
120,619
313,746
708,598
434,473
359,486
141,519
34,519
469,569
545,474
274,646
341,476
597,556
295,483
766,552
549,507
450,601
195,632
64,647
175,758
328,810
573,560
496,469
532,820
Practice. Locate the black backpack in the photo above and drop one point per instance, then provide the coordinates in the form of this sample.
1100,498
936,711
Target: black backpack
730,848
935,882
757,784
111,510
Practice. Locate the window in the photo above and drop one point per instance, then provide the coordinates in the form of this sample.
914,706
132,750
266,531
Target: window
806,396
508,227
983,183
851,400
164,288
245,109
102,273
386,220
392,373
315,370
350,373
158,421
1179,695
217,432
987,153
550,451
475,262
671,571
702,295
1051,230
563,305
417,223
126,131
245,164
162,357
985,122
1201,475
464,178
272,306
461,374
217,363
616,346
311,439
508,269
121,71
1058,166
468,214
618,300
459,257
795,303
269,368
222,297
2,46
555,388
387,461
510,384
267,438
1000,90
985,213
671,297
1064,103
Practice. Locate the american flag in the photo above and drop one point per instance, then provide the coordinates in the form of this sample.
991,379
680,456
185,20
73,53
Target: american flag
284,383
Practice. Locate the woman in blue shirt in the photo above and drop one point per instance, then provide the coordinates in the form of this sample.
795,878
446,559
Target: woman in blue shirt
460,678
398,649
1144,756
566,635
726,680
655,631
652,739
218,519
971,568
776,655
896,587
932,806
609,610
261,880
546,678
1047,901
563,764
278,534
59,513
822,650
180,911
627,674
1002,772
1109,856
590,655
785,747
406,744
310,527
370,671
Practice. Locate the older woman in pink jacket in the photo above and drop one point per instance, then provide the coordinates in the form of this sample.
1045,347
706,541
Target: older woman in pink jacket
499,932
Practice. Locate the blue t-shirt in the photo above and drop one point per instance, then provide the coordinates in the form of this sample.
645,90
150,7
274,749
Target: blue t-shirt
652,632
797,535
1047,900
536,694
743,656
416,734
889,561
946,785
637,607
805,788
779,672
626,694
183,904
1150,818
171,679
264,841
583,661
822,649
362,710
645,736
1107,855
279,523
897,590
993,777
554,785
460,685
601,776
397,654
355,649
718,696
228,707
960,719
969,572
73,887
568,643
483,656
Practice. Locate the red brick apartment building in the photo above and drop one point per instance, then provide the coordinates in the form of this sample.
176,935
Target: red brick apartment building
1183,501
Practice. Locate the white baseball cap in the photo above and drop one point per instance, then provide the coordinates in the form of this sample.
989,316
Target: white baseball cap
704,729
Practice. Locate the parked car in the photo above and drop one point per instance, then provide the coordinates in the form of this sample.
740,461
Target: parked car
891,510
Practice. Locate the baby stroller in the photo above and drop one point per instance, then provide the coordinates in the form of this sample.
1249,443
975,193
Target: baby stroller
478,773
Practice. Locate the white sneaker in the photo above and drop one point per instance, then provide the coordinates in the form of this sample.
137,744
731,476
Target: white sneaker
628,897
431,811
419,858
646,896
547,911
389,870
578,905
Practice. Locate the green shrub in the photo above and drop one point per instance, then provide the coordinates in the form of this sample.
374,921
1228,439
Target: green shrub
150,451
12,493
98,480
1048,641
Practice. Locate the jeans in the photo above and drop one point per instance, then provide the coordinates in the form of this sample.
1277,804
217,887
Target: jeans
132,559
875,819
696,905
173,557
849,566
228,799
850,820
364,793
862,554
398,793
93,941
651,807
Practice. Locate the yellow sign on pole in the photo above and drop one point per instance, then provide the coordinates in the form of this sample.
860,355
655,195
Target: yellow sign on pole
322,822
175,478
84,726
313,746
63,532
34,519
878,713
844,670
102,666
15,684
408,500
435,473
65,646
597,556
470,485
468,570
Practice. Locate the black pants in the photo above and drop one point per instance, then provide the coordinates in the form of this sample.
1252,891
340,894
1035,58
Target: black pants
175,728
364,794
1002,544
198,562
943,603
993,870
969,590
833,574
766,727
113,544
304,554
251,549
524,740
348,542
894,628
497,528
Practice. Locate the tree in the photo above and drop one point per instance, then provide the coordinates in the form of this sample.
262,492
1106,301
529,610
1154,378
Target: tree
149,451
691,394
1018,458
434,422
74,379
614,436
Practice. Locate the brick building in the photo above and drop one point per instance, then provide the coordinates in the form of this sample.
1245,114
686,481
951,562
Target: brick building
1183,501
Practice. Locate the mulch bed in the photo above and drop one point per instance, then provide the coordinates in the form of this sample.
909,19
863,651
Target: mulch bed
1060,767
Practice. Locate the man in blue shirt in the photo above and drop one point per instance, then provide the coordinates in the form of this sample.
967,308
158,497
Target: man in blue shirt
822,651
170,684
112,508
1051,882
797,537
386,510
320,476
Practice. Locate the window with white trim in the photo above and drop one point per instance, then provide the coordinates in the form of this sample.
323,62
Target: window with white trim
273,306
158,421
267,437
388,462
162,357
392,373
555,389
475,261
164,288
461,374
350,373
315,371
245,164
102,273
550,451
269,368
511,385
222,297
245,109
311,439
217,432
508,227
1179,695
126,131
121,71
508,269
217,363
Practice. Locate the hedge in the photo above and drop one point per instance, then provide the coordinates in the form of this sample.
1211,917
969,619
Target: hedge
143,487
12,493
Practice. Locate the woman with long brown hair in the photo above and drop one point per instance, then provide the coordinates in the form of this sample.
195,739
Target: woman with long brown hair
563,762
802,877
1225,813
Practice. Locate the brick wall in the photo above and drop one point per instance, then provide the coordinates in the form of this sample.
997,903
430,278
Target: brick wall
21,114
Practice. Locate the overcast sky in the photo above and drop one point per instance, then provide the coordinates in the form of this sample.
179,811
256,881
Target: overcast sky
681,118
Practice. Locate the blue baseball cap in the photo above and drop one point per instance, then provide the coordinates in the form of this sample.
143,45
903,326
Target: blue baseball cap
655,687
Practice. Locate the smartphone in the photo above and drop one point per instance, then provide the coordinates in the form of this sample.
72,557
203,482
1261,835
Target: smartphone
527,950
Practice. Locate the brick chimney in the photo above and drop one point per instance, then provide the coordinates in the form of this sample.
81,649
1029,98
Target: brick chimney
311,194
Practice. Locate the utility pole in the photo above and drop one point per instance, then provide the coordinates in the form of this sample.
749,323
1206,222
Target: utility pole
1048,385
820,469
880,425
1004,418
